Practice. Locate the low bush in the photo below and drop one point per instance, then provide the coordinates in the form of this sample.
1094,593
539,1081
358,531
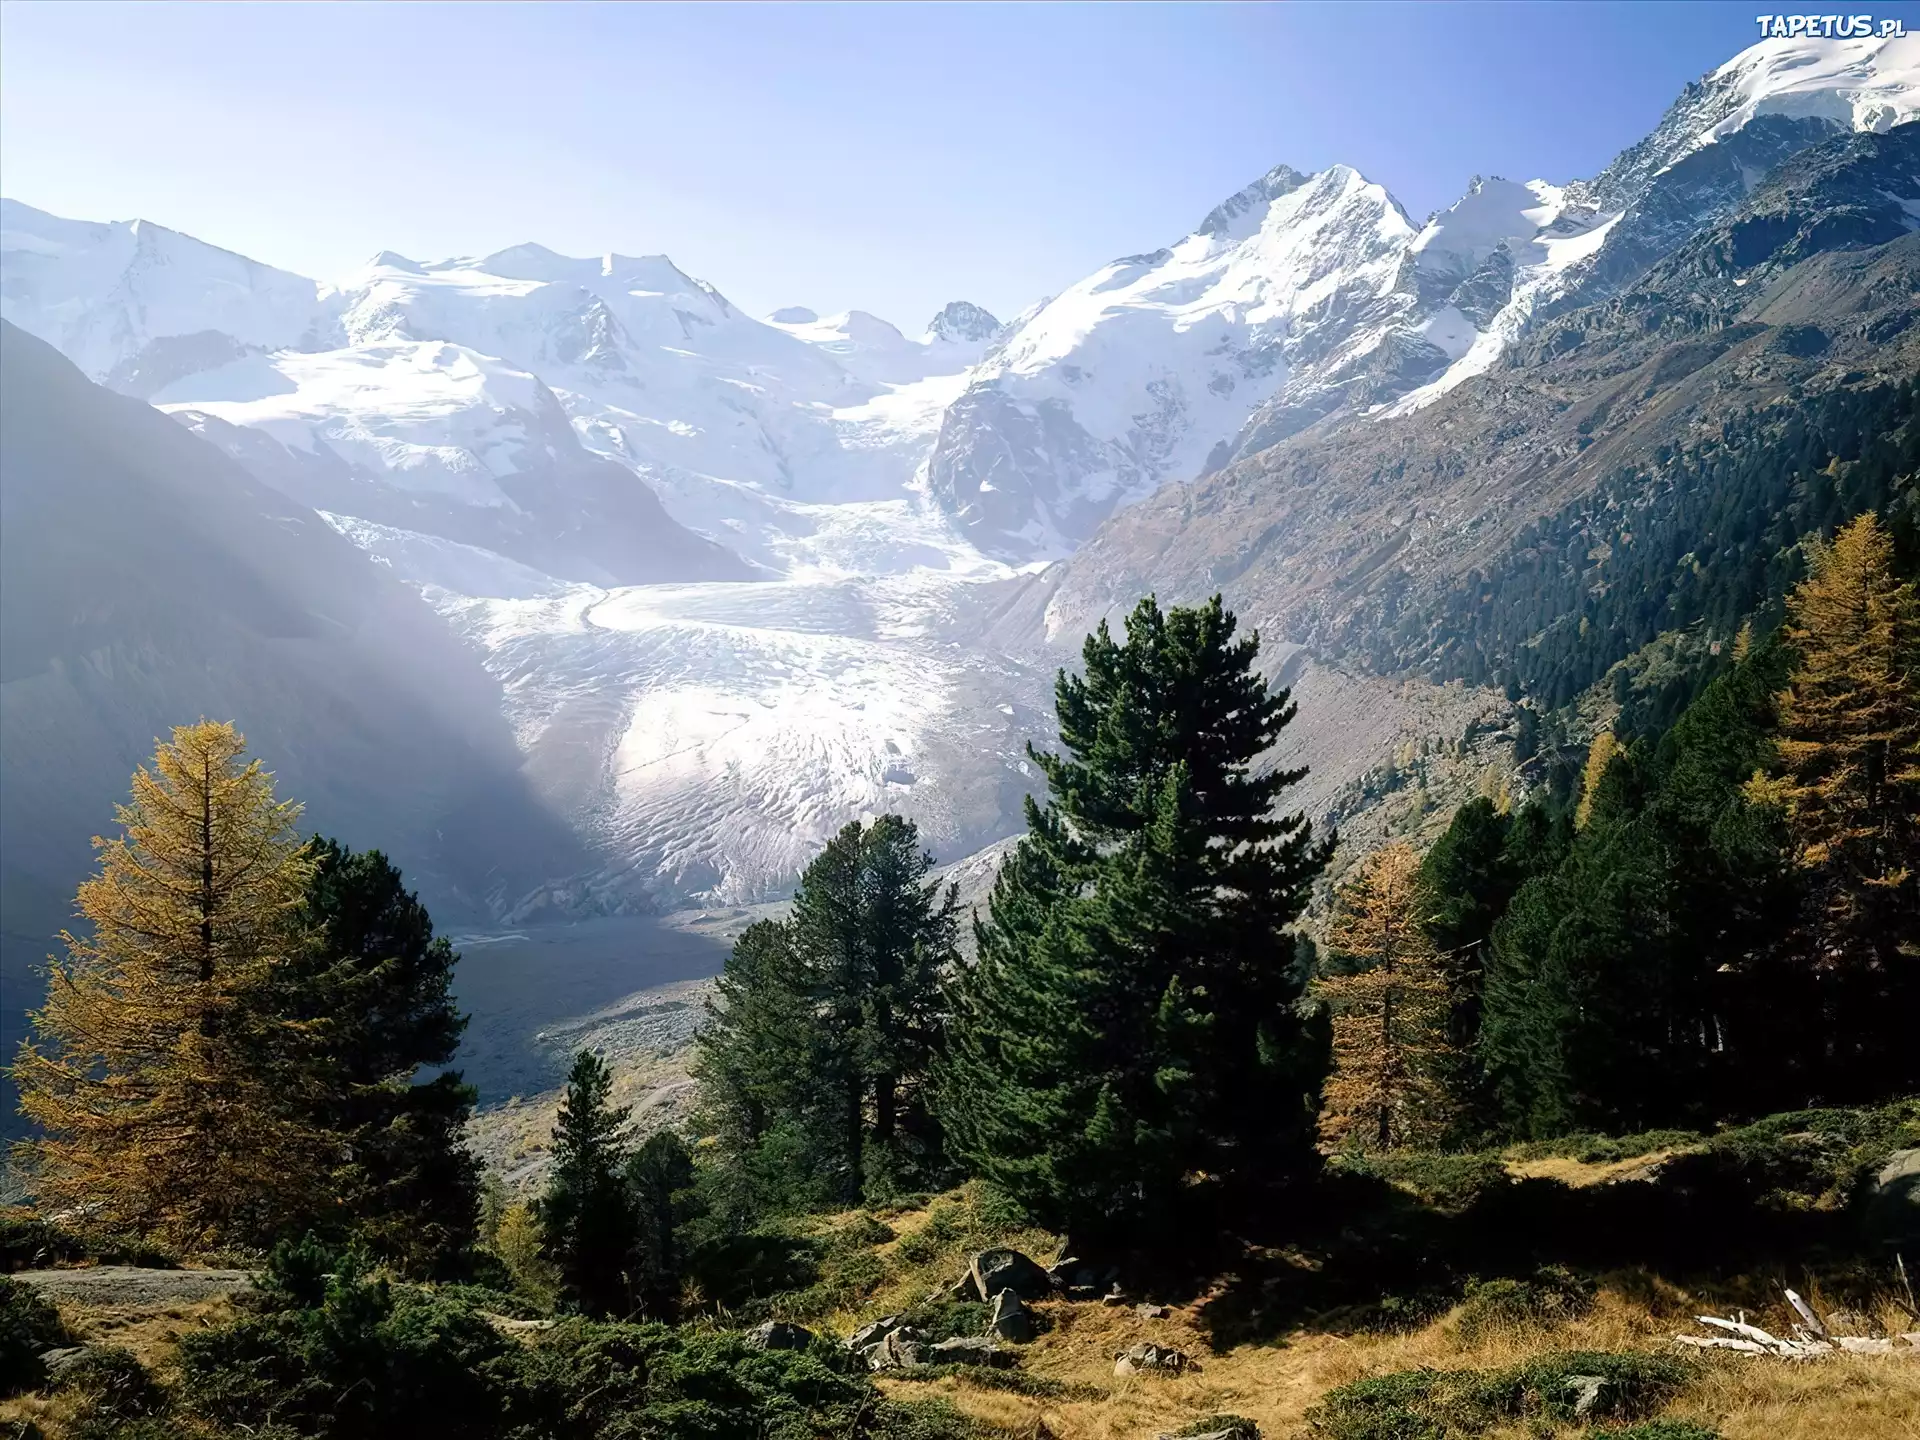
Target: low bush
1662,1430
1590,1149
1453,1404
1447,1182
113,1388
1552,1296
29,1325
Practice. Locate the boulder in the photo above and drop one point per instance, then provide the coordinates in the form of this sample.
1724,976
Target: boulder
968,1350
1012,1320
873,1332
1000,1269
779,1335
1152,1312
1147,1358
57,1362
1225,1427
1893,1199
1585,1391
965,1288
901,1349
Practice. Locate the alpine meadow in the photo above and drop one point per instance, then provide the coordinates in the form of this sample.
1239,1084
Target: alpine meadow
1317,837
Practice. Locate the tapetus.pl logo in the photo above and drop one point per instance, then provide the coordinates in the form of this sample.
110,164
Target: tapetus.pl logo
1829,27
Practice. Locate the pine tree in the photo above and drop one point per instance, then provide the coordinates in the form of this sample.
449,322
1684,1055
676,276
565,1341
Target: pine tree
659,1177
379,986
1389,1008
173,1102
589,1225
814,1064
1130,1031
1849,785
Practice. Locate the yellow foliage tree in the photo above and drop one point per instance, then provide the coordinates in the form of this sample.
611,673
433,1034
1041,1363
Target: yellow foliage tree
161,1078
1599,756
1387,1013
1849,748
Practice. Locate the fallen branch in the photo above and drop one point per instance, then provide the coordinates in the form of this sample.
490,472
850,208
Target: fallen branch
1812,1337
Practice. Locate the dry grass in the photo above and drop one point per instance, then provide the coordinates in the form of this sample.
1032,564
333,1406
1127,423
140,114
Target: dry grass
151,1332
1578,1173
1275,1384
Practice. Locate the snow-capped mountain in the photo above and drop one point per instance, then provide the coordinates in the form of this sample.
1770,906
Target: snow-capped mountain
1302,295
728,570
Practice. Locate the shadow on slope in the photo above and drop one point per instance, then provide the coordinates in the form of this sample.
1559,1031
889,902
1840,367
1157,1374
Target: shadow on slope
147,581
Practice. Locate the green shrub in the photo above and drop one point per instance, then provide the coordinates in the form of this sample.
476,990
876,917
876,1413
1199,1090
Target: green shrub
1661,1430
29,1325
1236,1426
943,1319
1012,1381
1382,1407
491,1301
1454,1404
370,1359
1552,1296
1592,1149
1447,1182
864,1229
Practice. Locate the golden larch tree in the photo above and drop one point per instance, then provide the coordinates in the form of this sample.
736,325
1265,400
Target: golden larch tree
1849,748
163,1079
1387,1011
1599,756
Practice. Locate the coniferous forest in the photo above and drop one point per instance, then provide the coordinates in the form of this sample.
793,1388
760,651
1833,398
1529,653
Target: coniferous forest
1185,1043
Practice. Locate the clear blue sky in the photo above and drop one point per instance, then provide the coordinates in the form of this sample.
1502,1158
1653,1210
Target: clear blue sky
890,158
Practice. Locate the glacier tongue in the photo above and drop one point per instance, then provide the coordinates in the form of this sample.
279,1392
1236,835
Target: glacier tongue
708,738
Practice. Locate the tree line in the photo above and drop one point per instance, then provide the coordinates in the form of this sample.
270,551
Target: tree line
1726,920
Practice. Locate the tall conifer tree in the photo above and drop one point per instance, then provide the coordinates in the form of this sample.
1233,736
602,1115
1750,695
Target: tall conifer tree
1849,785
172,1100
588,1218
1131,1028
378,985
1389,1008
814,1064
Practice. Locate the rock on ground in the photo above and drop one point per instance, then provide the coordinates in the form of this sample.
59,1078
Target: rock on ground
130,1286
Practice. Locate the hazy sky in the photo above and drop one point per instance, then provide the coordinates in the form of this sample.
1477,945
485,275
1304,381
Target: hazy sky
890,158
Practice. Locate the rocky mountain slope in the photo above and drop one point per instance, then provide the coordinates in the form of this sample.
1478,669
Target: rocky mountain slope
1303,296
1409,545
146,581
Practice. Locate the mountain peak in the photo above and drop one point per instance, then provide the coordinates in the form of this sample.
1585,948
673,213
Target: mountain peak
1269,187
963,321
793,315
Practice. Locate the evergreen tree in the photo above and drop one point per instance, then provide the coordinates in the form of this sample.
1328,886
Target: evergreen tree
1131,1027
659,1177
1468,878
814,1063
1849,785
589,1225
172,1101
1389,1008
380,987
